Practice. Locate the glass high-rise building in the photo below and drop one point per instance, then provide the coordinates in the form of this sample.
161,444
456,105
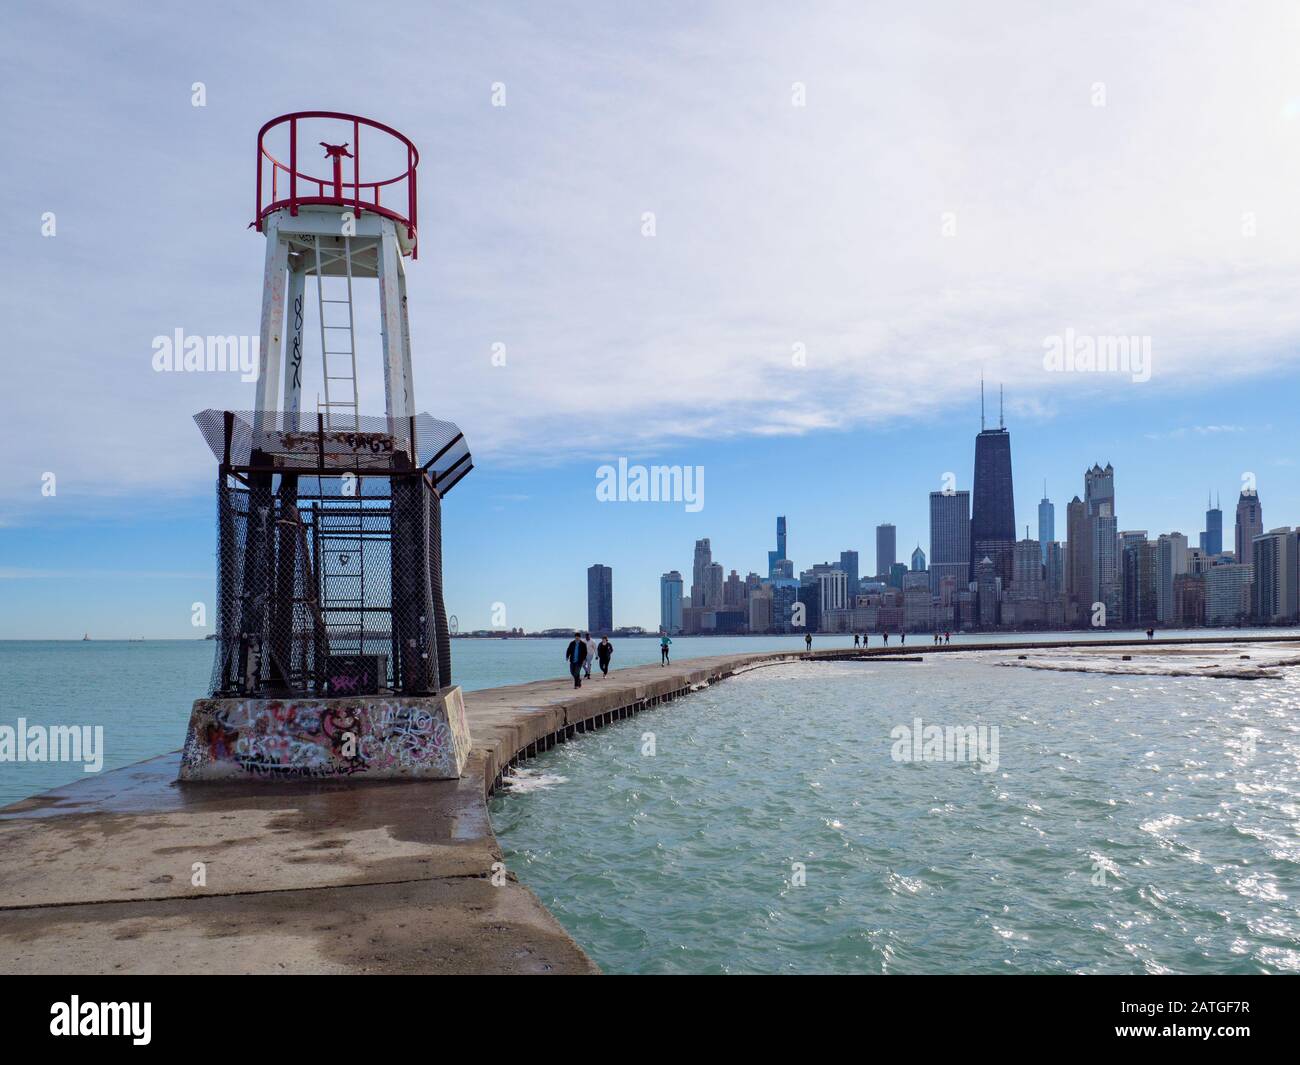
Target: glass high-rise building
1105,584
700,575
886,548
993,503
600,600
1077,564
773,557
1212,538
1250,523
849,564
670,602
949,538
1046,523
1274,589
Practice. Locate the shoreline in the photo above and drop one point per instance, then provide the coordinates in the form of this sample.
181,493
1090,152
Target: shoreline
379,877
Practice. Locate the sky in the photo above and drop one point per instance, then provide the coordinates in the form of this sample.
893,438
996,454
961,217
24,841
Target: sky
779,244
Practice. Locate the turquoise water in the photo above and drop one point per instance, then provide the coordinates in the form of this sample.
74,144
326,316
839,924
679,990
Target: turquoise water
1133,824
141,691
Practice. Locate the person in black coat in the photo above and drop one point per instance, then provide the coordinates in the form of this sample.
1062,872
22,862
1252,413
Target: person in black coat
575,654
604,651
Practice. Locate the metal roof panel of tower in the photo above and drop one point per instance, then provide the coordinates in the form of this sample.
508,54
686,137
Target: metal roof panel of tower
283,441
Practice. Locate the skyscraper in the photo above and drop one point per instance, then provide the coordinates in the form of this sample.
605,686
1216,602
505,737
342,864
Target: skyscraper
1172,560
849,564
993,512
1227,594
700,575
886,549
1139,566
1250,523
716,578
670,602
1212,538
1274,585
1103,531
949,538
1046,522
773,557
1077,566
918,560
600,599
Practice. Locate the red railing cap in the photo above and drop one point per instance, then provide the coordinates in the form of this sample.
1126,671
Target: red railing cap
335,183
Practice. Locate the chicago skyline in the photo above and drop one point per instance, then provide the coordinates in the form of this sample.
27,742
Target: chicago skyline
1100,575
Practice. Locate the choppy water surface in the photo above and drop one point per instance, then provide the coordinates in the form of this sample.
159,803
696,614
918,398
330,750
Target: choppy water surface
1134,823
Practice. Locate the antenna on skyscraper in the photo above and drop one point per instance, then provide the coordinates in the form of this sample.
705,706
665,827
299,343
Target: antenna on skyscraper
1000,425
981,403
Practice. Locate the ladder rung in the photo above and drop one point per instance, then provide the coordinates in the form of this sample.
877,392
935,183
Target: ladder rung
335,301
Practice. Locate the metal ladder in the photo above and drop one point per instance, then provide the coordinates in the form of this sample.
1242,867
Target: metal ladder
343,581
350,407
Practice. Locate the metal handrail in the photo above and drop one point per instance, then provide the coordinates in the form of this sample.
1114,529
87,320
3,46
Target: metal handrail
333,190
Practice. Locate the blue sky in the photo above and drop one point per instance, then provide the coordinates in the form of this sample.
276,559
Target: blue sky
954,190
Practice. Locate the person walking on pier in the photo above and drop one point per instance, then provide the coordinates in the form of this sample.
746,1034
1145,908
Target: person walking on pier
591,653
574,654
807,641
902,638
885,636
664,642
1151,634
947,637
604,650
855,640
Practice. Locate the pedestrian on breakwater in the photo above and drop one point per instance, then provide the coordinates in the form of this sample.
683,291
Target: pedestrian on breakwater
664,641
947,637
604,651
807,641
574,654
591,654
885,636
902,638
1151,634
855,640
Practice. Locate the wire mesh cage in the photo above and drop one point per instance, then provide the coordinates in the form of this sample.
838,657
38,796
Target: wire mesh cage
329,555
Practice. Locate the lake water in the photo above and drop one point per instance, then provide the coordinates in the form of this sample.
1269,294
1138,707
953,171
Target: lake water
141,691
1132,824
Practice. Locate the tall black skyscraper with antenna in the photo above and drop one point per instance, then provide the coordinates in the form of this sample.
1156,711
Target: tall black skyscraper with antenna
993,503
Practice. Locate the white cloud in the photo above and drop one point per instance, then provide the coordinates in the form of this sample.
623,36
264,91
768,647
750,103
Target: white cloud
776,225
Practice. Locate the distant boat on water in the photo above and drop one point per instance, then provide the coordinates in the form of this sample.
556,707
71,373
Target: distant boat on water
85,638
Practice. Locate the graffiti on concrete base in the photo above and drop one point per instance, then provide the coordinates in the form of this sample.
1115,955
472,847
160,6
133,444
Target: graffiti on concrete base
375,736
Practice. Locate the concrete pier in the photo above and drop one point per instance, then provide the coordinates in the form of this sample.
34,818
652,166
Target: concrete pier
330,877
132,872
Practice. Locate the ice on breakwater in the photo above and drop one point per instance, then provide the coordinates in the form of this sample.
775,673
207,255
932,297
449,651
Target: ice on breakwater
1222,662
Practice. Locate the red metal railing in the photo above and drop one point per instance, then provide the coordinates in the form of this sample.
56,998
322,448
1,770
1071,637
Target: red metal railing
305,189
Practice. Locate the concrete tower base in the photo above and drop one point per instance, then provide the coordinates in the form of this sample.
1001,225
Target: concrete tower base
369,737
